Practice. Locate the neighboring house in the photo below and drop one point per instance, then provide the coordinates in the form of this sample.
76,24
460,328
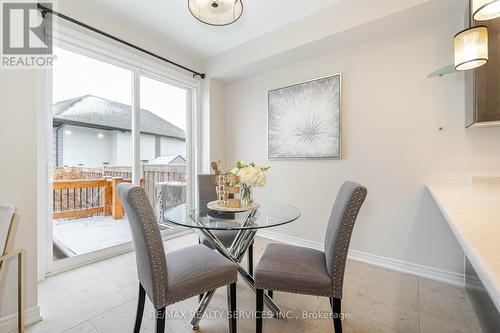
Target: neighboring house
90,131
164,160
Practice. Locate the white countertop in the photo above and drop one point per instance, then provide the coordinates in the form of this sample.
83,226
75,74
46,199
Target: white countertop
473,213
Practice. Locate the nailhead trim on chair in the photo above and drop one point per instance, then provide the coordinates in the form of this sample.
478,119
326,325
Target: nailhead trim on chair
340,247
344,238
155,251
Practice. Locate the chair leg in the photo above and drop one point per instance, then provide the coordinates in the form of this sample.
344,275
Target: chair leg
250,259
231,303
259,309
270,293
200,297
140,309
160,320
337,312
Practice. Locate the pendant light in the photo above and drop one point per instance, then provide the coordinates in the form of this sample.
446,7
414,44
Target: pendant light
471,48
483,10
216,12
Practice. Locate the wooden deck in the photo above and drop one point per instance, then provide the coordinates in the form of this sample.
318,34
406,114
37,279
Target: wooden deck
87,213
80,236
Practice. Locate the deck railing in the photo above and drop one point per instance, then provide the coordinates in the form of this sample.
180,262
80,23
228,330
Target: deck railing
77,198
74,199
81,198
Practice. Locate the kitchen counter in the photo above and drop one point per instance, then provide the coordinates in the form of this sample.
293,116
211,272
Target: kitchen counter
473,214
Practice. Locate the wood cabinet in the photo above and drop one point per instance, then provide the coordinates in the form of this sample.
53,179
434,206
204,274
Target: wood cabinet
483,84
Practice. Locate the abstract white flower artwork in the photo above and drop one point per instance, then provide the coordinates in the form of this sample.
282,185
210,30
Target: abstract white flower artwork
304,120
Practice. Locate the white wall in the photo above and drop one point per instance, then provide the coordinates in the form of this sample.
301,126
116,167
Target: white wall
217,121
92,147
122,149
87,146
171,146
147,147
212,124
18,177
392,142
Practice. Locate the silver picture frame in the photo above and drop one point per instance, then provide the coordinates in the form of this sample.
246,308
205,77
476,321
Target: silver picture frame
337,156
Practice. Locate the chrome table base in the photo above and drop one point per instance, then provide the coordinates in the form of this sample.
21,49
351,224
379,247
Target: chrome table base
235,253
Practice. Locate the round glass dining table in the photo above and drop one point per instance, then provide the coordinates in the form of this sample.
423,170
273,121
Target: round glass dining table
268,214
244,225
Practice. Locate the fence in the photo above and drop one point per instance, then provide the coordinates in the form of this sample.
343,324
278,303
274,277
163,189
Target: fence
154,174
117,171
96,195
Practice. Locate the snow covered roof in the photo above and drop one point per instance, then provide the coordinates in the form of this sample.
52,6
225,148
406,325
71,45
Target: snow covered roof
174,159
97,112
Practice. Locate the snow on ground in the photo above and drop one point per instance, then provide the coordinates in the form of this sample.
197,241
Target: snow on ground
81,236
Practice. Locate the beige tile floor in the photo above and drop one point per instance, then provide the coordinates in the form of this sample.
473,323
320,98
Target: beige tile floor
102,298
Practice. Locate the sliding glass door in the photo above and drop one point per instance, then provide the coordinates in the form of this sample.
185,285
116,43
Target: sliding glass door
96,145
163,142
91,140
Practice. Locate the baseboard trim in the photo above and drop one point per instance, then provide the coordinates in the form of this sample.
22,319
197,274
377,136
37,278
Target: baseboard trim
432,273
428,272
292,240
31,316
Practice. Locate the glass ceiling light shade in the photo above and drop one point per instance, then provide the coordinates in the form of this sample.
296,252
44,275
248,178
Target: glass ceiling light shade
471,48
216,12
483,10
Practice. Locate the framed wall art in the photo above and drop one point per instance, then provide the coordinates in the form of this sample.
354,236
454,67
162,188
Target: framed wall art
304,120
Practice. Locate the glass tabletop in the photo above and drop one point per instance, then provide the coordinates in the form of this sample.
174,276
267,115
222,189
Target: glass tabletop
268,214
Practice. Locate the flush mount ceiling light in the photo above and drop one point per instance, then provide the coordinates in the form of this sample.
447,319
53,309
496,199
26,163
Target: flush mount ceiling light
471,48
483,10
216,12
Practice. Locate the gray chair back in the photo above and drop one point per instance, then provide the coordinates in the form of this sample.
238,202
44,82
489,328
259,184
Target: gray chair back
206,192
338,233
149,251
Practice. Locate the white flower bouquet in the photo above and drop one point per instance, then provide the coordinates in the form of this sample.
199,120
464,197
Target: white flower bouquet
250,175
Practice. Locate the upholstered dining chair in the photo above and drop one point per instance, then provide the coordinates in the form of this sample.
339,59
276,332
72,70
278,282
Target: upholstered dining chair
176,276
207,193
306,271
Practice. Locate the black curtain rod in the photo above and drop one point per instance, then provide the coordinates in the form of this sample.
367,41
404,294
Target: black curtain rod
46,10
